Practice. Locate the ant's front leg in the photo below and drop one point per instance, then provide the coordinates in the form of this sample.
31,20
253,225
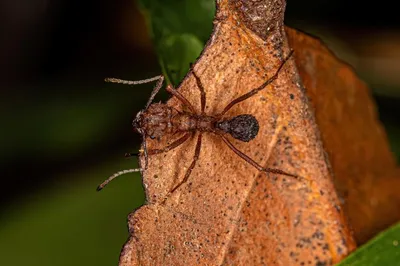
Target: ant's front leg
180,97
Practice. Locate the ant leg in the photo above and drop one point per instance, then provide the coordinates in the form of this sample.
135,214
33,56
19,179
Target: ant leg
173,145
189,171
108,180
256,90
180,97
131,154
156,88
253,163
202,90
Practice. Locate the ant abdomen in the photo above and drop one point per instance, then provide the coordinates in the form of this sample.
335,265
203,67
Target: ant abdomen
242,127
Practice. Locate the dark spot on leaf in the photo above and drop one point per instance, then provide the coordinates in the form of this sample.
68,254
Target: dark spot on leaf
339,250
318,235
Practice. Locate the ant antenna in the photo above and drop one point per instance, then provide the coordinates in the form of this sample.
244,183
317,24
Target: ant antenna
108,180
156,88
132,82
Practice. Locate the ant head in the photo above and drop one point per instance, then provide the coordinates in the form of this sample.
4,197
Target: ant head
137,123
141,126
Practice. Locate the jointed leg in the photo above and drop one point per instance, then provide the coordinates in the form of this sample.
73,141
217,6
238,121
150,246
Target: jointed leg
171,146
253,163
192,165
156,88
202,91
165,149
256,90
180,97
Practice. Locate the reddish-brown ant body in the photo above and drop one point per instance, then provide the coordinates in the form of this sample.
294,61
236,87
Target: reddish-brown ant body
159,119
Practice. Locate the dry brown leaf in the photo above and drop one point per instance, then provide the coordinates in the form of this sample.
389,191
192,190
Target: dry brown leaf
366,174
228,213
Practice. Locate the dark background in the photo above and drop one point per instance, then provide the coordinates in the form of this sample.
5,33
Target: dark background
63,130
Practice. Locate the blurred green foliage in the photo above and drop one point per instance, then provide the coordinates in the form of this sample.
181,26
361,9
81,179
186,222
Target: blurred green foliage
65,125
179,30
70,223
384,249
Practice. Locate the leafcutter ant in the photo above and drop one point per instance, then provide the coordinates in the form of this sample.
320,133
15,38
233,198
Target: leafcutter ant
157,120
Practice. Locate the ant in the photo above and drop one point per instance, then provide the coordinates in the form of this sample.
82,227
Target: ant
159,119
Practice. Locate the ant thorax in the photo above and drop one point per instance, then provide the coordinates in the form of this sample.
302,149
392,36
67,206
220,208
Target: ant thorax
160,119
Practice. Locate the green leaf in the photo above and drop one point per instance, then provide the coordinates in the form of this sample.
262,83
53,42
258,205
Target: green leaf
179,30
177,52
384,249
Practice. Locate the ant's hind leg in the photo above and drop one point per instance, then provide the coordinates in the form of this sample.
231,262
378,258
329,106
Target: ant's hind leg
253,163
